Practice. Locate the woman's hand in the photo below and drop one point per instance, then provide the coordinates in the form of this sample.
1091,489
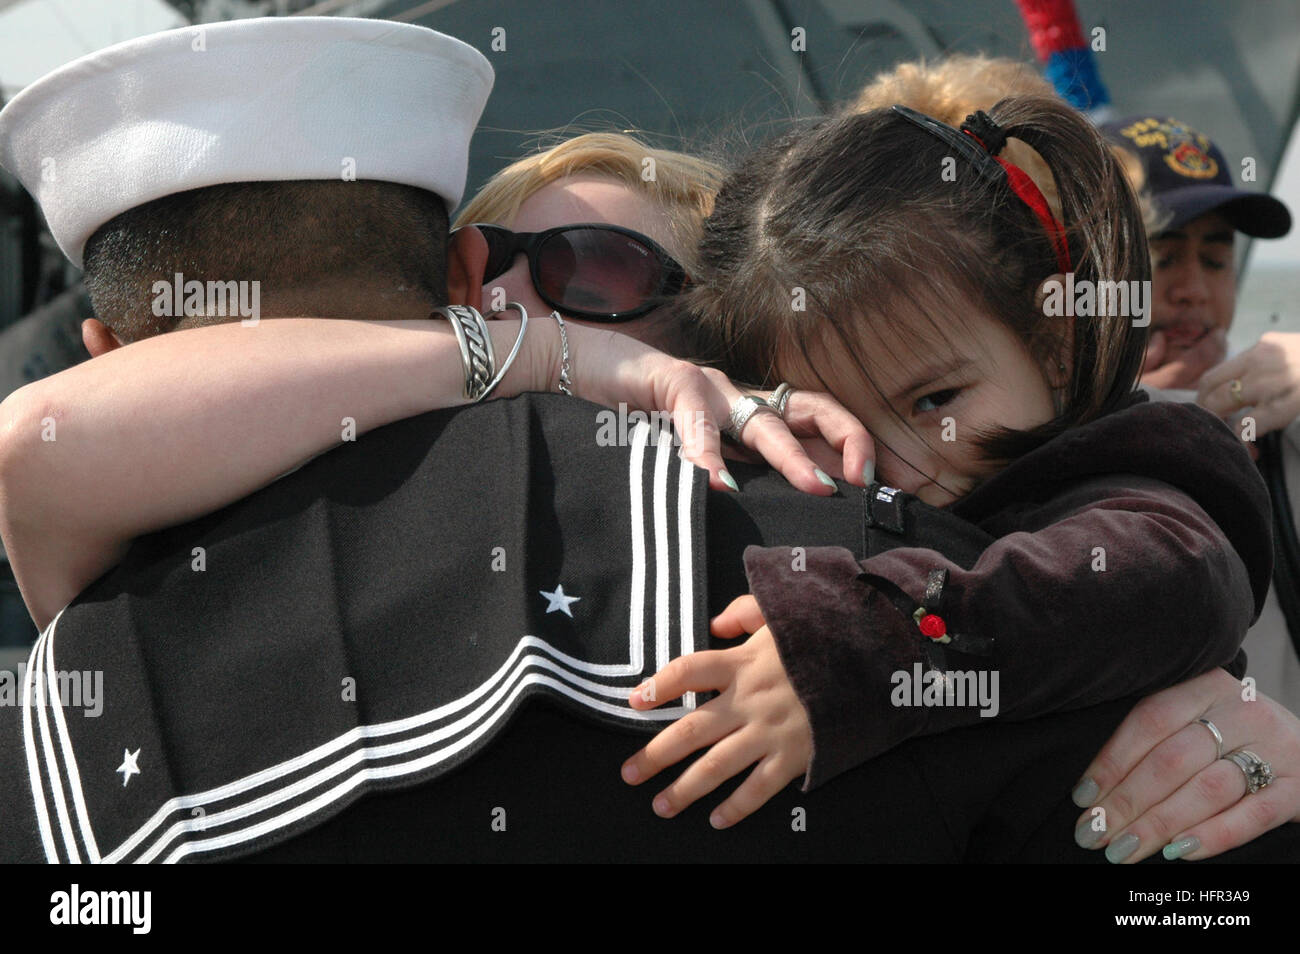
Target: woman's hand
757,718
612,369
1157,784
1270,383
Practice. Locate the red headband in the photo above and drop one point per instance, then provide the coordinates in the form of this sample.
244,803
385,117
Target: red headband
1021,184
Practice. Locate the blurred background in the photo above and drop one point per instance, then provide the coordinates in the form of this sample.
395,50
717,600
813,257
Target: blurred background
709,75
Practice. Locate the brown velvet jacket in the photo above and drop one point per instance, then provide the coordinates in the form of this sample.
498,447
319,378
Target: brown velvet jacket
1163,496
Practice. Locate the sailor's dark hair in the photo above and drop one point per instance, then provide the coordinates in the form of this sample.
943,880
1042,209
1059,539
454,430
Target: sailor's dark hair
287,235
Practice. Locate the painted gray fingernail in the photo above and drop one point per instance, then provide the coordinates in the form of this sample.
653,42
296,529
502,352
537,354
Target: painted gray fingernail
1121,848
1180,849
1085,793
729,480
824,478
1085,836
869,472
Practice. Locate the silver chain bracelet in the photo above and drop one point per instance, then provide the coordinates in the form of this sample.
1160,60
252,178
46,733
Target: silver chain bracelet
566,383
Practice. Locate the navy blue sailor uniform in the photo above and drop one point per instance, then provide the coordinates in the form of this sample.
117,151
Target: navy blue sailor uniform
434,629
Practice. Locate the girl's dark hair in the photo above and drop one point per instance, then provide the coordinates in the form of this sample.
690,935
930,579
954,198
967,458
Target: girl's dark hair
857,212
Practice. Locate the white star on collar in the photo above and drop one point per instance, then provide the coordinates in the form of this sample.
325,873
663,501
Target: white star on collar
559,602
129,765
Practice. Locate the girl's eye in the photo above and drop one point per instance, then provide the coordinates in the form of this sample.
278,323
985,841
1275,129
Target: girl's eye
932,402
1214,265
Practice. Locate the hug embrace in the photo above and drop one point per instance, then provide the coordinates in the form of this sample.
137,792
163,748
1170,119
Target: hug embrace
366,583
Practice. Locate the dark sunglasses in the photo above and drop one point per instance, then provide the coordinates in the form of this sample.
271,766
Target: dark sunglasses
591,271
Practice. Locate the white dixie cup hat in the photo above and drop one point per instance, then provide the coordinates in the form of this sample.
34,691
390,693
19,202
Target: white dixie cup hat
263,99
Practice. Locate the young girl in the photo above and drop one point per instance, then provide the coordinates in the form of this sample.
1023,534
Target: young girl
899,264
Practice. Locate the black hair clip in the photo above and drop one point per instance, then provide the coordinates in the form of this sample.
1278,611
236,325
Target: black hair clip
970,149
980,140
990,135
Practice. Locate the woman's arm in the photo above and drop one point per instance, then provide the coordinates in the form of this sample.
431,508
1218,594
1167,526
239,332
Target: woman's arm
174,427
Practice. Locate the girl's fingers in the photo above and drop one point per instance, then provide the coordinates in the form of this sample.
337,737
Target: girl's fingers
729,757
741,617
1178,764
1245,820
698,672
769,777
703,727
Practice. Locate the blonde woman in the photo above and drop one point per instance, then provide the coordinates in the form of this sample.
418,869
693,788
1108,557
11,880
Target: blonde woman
643,208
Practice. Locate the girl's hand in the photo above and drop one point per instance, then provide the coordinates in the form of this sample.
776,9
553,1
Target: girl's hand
1161,787
756,719
1270,383
612,369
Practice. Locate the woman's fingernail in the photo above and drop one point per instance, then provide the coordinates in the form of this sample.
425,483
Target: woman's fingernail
1085,793
1085,836
717,821
1121,848
824,478
630,774
729,480
869,472
1181,849
661,807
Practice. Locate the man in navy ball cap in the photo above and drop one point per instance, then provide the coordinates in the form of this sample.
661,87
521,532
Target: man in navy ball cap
1197,209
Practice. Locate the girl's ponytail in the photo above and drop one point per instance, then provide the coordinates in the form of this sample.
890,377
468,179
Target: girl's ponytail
1107,241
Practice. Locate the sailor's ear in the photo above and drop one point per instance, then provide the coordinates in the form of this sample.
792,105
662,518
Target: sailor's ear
467,255
98,337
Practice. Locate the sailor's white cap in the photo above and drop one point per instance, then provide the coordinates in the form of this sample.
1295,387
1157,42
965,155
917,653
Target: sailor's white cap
272,98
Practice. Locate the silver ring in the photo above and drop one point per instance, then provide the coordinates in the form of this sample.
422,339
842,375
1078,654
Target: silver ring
1258,772
1218,737
746,406
780,398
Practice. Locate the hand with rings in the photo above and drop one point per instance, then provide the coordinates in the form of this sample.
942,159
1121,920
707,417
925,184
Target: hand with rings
1182,775
816,440
1265,378
804,413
